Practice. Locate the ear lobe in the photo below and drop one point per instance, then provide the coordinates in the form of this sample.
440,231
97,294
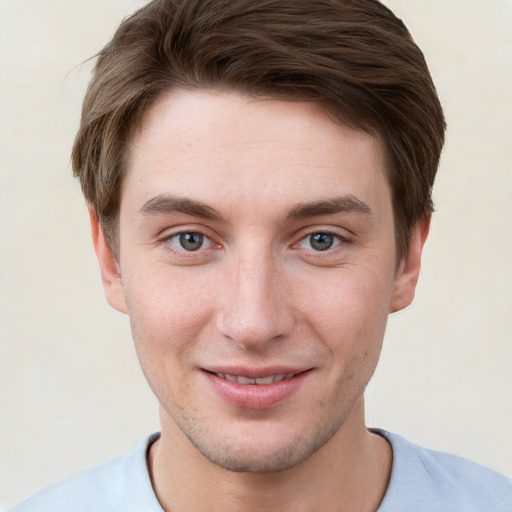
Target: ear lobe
109,268
409,270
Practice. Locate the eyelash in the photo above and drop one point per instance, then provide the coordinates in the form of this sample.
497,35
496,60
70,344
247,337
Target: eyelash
191,234
173,244
337,240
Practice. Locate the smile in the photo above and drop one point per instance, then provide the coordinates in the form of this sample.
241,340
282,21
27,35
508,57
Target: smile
256,389
260,381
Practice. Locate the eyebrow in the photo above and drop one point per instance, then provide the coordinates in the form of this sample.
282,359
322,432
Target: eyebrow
165,203
343,204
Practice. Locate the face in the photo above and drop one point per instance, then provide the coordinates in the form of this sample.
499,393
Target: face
257,265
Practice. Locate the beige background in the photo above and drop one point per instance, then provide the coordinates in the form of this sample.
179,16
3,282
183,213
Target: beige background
71,393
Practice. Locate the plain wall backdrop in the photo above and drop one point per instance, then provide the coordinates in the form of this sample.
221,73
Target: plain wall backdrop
71,392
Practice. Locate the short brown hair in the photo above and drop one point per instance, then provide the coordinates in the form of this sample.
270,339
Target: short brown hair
354,57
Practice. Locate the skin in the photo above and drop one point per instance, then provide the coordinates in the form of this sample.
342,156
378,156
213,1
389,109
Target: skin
258,178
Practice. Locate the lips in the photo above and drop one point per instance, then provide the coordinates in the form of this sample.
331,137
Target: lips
256,389
260,381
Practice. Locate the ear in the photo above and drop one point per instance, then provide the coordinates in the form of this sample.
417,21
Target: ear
109,268
409,270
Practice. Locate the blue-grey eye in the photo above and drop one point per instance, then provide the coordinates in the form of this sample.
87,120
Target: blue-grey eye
191,241
321,241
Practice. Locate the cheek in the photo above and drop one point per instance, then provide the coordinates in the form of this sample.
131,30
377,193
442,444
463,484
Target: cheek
349,314
167,314
167,309
349,301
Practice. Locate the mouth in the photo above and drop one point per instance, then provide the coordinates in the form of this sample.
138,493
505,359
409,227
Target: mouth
256,389
258,381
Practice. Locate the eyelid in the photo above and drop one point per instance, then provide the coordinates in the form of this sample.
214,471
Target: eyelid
340,234
167,236
207,242
338,240
178,229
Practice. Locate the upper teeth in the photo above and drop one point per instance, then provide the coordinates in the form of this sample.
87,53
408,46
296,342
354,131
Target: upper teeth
260,380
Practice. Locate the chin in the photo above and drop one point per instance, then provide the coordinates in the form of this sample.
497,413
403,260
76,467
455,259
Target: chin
247,458
263,452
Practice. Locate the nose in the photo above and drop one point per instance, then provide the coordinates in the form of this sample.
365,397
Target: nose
255,310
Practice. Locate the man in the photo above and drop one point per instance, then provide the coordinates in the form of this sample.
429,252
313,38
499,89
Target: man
259,180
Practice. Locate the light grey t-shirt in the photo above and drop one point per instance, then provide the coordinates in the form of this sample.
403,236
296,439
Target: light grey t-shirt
421,481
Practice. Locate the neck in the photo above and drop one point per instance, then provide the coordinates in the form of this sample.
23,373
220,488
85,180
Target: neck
350,472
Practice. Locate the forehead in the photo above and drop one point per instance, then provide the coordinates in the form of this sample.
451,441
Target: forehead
224,145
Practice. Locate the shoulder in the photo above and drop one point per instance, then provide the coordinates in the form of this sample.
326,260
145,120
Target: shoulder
97,487
115,486
424,479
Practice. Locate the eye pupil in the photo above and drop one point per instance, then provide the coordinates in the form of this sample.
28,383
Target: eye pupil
191,241
321,241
